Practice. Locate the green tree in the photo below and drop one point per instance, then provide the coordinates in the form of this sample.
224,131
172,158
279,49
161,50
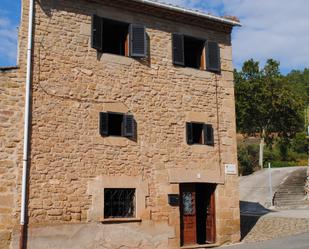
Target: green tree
299,81
266,105
300,143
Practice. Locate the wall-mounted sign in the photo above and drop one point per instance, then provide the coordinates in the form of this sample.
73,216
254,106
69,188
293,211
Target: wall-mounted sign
230,169
173,200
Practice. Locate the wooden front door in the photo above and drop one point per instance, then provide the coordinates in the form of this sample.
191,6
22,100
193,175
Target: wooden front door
197,210
211,217
188,214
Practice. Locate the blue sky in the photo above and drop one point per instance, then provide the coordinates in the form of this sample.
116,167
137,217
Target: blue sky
271,29
9,22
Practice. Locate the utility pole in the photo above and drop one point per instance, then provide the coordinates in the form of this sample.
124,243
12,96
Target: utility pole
270,185
308,142
261,156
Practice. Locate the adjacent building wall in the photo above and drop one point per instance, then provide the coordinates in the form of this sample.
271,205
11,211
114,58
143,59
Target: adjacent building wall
11,131
12,88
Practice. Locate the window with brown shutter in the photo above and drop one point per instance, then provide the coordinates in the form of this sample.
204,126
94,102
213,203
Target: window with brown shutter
188,51
137,41
213,57
97,30
208,134
199,133
128,126
196,53
189,128
116,37
178,49
117,124
104,124
194,56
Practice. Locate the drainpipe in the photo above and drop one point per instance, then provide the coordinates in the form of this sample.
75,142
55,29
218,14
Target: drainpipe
23,213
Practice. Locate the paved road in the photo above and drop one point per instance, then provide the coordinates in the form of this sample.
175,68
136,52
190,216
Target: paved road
292,242
255,188
261,223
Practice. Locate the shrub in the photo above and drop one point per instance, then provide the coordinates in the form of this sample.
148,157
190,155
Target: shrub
300,143
248,157
281,164
271,155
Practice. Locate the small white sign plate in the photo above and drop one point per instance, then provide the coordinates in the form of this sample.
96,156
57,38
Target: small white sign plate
230,169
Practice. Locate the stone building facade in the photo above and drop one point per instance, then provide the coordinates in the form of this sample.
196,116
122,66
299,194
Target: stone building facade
77,166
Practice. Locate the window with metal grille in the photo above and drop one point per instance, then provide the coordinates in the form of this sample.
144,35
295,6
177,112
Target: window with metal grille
119,203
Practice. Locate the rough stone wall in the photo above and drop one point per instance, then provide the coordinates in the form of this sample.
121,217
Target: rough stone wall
12,88
72,83
11,103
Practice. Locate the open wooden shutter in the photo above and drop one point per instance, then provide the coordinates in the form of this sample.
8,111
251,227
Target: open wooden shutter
213,57
208,134
178,49
128,126
138,42
189,128
104,124
97,33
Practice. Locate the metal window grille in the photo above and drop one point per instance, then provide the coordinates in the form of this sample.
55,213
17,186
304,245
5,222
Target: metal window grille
119,203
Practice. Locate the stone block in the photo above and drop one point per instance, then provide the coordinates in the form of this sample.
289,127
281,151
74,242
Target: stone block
7,200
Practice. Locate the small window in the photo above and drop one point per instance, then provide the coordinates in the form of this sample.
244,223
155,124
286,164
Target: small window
117,124
199,133
196,53
114,37
188,51
119,203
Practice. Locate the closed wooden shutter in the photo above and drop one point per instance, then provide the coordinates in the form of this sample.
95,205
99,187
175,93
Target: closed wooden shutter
138,42
97,33
213,57
189,128
128,126
208,134
178,49
104,124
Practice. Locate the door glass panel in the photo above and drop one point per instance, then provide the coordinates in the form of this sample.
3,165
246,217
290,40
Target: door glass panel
188,203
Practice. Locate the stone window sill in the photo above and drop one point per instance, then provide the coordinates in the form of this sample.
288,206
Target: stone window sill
120,220
117,59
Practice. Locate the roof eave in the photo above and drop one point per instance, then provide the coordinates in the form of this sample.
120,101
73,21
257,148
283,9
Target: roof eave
190,12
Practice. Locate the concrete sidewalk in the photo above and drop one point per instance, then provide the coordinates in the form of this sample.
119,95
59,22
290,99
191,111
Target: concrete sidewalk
255,228
300,241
